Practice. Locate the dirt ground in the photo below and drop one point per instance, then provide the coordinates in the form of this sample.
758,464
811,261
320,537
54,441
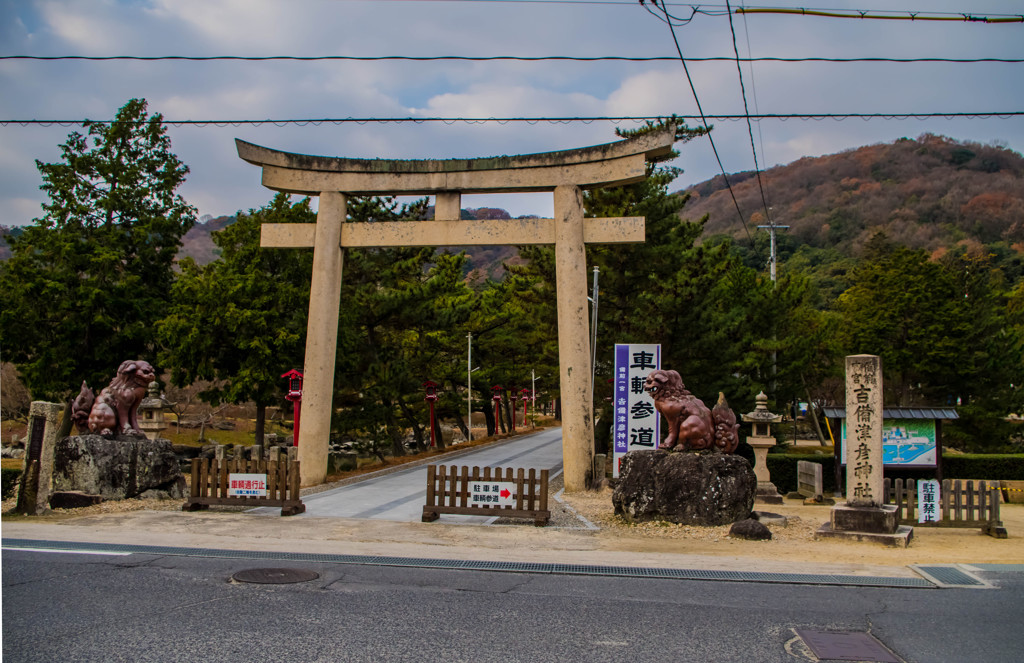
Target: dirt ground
584,530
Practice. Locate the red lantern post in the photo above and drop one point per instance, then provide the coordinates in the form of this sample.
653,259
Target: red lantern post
524,393
497,407
295,396
431,397
512,397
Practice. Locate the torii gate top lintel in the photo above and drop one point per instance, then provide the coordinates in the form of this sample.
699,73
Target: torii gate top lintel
610,164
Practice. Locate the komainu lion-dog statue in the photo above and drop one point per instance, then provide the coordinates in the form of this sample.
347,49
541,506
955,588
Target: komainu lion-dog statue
115,410
691,425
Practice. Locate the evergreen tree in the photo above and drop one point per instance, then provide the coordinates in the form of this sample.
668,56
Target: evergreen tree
89,279
240,322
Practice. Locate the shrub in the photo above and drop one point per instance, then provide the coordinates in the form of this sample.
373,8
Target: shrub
8,479
987,467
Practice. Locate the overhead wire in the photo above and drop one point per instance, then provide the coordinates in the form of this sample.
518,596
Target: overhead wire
485,58
707,127
736,117
746,110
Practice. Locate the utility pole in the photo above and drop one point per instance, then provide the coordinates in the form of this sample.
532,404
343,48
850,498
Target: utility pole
771,230
593,335
469,389
772,227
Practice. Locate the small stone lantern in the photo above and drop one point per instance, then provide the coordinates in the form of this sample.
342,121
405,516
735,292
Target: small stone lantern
761,440
151,412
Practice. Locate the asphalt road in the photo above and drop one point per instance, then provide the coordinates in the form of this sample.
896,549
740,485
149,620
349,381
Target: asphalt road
70,607
400,496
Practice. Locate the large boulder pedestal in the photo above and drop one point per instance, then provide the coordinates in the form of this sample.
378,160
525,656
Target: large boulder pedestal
689,488
117,468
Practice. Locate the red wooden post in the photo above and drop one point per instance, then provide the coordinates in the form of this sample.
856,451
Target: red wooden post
295,396
431,398
497,408
526,397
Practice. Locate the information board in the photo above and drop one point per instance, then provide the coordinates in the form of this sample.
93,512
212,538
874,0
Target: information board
905,442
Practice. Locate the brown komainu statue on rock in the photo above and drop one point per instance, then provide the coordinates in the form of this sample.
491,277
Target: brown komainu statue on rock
115,411
691,425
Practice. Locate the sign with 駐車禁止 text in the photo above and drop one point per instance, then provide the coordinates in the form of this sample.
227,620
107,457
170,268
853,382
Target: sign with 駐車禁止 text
928,497
247,485
864,430
635,424
492,493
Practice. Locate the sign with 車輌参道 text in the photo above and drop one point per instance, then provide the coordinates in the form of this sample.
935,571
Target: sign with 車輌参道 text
635,424
492,493
247,485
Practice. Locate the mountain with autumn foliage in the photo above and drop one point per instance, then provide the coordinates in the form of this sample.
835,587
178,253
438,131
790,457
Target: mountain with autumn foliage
931,193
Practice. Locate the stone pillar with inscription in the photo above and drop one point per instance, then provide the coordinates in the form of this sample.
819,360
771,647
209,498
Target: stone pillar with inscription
864,516
44,421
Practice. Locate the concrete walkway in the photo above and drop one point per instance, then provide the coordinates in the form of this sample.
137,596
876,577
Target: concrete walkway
400,496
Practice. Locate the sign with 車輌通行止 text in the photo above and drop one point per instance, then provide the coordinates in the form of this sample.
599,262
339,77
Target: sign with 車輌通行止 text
247,485
492,493
636,424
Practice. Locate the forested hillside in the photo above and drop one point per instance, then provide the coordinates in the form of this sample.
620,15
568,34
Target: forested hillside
930,193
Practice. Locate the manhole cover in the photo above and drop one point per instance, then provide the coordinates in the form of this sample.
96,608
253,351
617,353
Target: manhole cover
846,646
275,576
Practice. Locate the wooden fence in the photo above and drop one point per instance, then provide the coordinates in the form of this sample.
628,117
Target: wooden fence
962,505
451,491
210,484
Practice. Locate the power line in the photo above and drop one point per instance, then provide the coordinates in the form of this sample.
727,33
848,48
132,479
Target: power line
746,110
707,127
1003,115
484,58
887,16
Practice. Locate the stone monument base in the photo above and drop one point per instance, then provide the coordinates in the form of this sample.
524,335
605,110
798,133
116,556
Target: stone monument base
866,523
767,493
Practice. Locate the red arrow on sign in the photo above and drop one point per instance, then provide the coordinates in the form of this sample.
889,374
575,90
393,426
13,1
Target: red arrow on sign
505,493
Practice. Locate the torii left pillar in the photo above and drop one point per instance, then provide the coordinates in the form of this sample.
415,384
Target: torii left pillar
564,174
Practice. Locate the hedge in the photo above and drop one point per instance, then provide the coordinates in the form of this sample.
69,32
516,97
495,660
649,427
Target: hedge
8,479
987,467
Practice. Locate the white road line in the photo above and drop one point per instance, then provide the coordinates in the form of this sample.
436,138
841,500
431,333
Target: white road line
74,552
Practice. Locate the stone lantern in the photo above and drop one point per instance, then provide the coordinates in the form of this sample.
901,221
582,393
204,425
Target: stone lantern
151,412
761,440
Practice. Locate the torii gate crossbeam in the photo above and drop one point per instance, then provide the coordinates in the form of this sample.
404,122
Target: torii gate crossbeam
564,173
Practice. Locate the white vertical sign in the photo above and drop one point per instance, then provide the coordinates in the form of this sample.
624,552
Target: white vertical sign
636,424
928,502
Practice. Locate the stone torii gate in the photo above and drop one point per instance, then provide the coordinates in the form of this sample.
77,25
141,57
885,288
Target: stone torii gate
565,173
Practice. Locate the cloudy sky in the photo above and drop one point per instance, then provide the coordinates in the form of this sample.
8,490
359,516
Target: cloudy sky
220,183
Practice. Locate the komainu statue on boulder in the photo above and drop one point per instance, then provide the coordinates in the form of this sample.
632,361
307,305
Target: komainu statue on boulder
691,425
115,410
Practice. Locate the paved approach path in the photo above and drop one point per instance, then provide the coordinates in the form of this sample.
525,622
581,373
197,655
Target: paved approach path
400,496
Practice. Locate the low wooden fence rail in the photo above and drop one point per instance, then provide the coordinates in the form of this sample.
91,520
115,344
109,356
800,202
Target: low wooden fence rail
962,505
472,492
211,482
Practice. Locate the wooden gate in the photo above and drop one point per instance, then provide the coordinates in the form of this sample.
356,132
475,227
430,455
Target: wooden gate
210,484
449,490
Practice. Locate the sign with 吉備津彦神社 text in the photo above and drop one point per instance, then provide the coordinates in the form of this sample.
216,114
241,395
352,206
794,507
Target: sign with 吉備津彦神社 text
636,424
864,430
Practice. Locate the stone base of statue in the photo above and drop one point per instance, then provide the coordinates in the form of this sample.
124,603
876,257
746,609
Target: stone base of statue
117,468
689,488
866,523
